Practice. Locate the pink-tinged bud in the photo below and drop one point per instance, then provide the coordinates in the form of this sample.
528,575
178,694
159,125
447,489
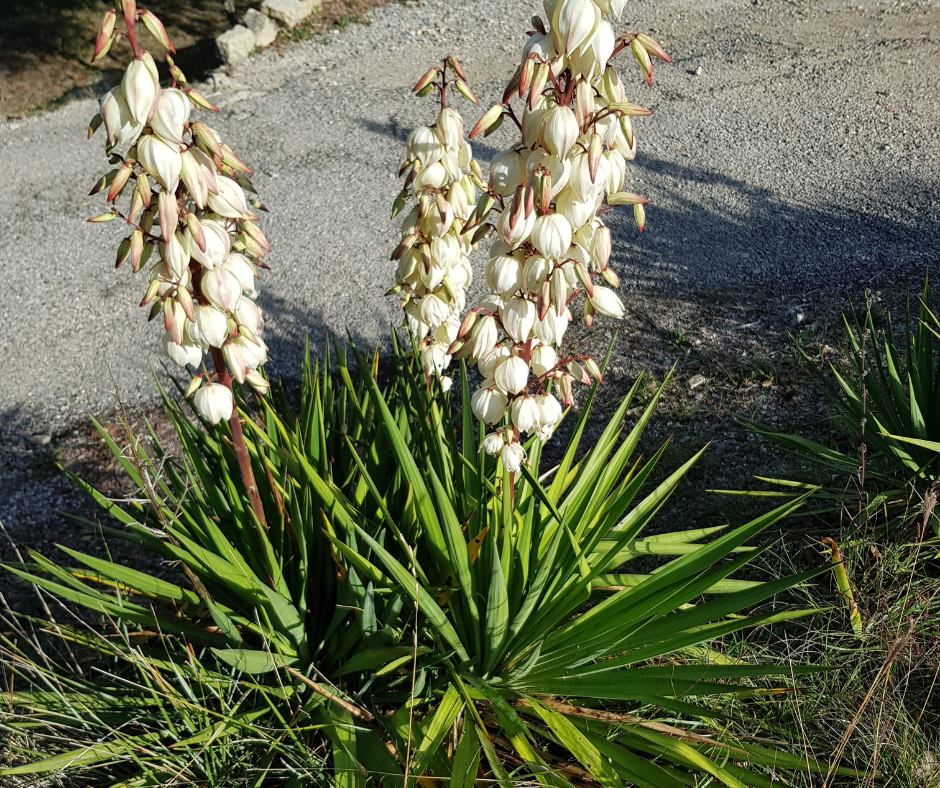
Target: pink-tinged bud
558,131
221,289
525,76
489,120
185,300
234,360
214,403
611,277
218,244
169,215
455,65
583,102
95,125
545,299
593,369
182,354
175,256
194,179
129,8
606,302
539,80
601,247
136,250
143,187
639,216
578,372
120,180
206,140
198,99
584,278
195,232
468,323
643,58
464,89
230,201
172,113
489,405
161,160
653,48
559,291
140,90
626,198
426,80
595,151
157,30
105,36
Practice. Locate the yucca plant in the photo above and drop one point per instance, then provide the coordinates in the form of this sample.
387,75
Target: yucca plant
887,403
410,611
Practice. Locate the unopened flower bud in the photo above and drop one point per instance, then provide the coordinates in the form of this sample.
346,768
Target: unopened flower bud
606,302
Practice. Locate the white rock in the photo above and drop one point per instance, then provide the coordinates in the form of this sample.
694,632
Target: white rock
264,28
235,44
289,13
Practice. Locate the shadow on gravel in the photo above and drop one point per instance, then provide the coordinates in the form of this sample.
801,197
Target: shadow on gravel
774,245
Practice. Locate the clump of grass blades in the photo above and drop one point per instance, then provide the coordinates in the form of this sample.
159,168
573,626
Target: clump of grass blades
886,402
411,610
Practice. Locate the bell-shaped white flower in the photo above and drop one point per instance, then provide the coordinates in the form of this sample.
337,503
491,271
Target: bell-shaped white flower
543,360
119,124
248,314
512,374
185,354
525,413
490,360
194,179
211,326
483,338
518,317
214,402
493,443
607,302
218,244
507,172
172,113
140,89
551,236
246,274
425,146
434,358
221,289
444,251
574,22
583,188
532,120
433,310
230,202
534,272
489,404
512,455
503,275
434,176
551,329
161,160
254,353
577,212
617,167
549,408
559,131
235,361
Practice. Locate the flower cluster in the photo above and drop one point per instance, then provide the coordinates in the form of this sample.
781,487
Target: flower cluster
433,258
568,167
188,211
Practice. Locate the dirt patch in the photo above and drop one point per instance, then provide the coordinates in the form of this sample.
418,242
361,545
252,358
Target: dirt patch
46,46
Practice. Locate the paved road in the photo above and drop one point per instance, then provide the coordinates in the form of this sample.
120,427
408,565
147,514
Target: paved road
794,150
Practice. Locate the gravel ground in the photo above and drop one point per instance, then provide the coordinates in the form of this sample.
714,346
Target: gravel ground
793,158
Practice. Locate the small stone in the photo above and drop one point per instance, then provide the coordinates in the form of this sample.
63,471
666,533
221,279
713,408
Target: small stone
41,439
696,380
698,71
288,13
235,44
264,28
